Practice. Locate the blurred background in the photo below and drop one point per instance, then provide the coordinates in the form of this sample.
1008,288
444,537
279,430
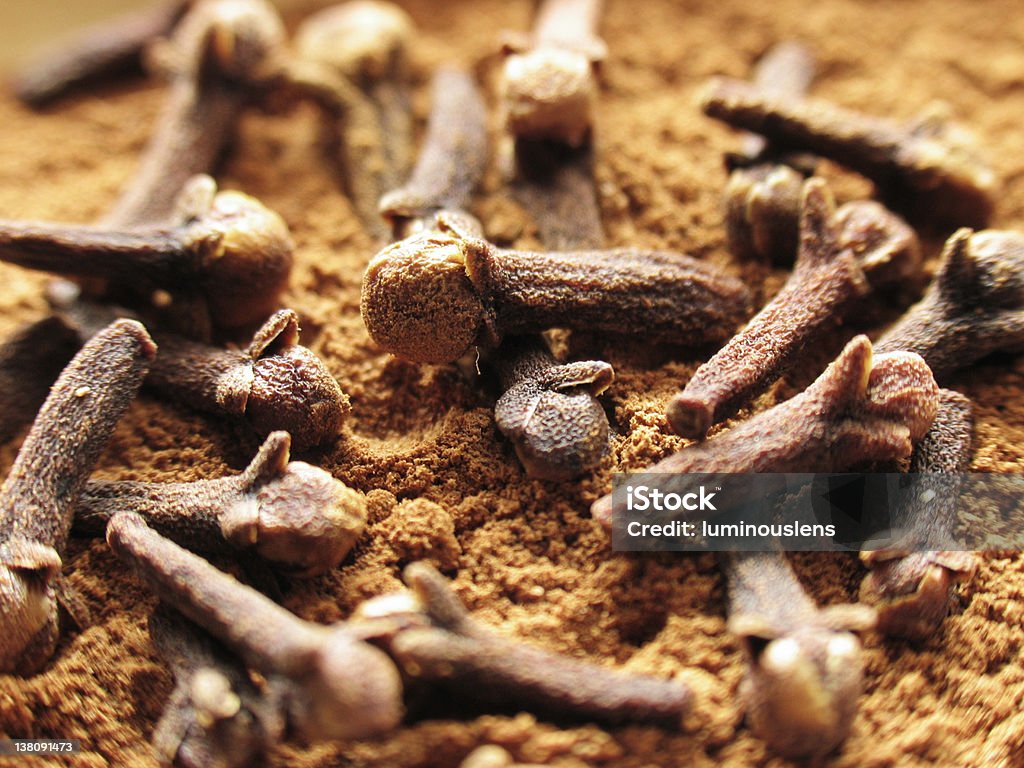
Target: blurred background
26,24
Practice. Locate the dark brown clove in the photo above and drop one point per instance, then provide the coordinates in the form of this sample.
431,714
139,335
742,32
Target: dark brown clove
216,57
292,514
549,409
452,160
352,58
804,669
435,295
908,584
973,307
334,685
827,280
548,83
226,257
30,361
859,410
454,647
764,191
216,716
929,166
37,499
275,384
101,50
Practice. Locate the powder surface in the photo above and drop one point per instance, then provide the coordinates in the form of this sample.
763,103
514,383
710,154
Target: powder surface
525,555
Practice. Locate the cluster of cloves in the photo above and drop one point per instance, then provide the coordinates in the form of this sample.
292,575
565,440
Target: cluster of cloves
196,265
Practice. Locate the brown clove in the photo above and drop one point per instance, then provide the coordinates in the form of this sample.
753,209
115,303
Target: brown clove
451,646
929,166
334,685
226,257
827,280
549,410
973,307
275,384
452,160
292,514
909,584
859,410
764,192
435,295
548,83
37,499
804,669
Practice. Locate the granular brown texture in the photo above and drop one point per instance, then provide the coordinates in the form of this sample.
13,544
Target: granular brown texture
525,554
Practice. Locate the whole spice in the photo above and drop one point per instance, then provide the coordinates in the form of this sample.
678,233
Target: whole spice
352,57
804,669
435,295
216,716
826,281
859,410
929,166
548,84
764,192
224,259
456,649
549,410
909,584
30,361
334,685
37,499
215,59
452,160
973,307
290,513
275,384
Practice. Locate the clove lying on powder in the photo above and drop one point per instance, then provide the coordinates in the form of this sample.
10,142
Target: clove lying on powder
37,499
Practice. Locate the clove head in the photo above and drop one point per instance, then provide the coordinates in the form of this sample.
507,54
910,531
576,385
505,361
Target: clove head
352,690
418,300
801,688
292,513
361,39
549,93
243,255
28,605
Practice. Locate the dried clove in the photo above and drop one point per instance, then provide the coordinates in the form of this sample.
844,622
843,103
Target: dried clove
908,584
549,410
548,84
275,384
826,282
104,49
30,361
352,58
226,257
973,307
218,54
216,716
453,647
804,670
334,685
859,410
452,160
38,497
290,513
435,295
764,191
929,166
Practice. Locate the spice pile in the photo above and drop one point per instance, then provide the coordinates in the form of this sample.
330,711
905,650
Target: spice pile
439,481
